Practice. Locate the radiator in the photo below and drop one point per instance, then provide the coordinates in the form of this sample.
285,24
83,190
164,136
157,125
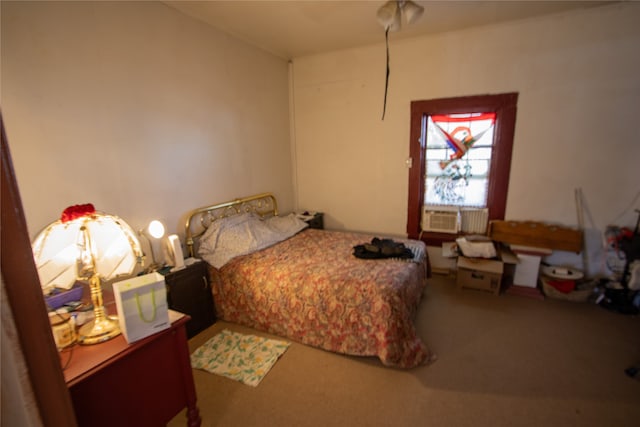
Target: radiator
474,220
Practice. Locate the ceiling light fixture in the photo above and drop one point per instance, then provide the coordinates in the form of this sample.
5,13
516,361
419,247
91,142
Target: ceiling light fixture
390,17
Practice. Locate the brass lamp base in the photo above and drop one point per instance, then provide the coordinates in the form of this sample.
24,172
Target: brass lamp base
98,331
103,327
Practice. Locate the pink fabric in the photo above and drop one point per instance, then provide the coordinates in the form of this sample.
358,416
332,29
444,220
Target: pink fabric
311,289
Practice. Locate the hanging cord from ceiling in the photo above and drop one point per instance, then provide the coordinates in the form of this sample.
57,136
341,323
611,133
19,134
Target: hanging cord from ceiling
386,81
389,16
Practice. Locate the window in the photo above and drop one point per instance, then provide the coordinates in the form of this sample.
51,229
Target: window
461,151
458,156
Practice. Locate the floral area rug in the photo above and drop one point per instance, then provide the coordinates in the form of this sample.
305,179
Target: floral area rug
244,358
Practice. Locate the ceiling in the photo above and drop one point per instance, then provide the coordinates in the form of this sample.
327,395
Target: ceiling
294,28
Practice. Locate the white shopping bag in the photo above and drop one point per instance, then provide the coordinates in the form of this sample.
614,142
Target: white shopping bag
142,306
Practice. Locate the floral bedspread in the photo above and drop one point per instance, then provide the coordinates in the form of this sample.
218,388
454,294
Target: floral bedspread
311,289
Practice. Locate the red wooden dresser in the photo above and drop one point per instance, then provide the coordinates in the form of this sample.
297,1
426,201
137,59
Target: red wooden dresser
146,383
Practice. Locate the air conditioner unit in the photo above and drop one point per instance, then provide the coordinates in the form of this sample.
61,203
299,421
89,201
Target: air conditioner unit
441,220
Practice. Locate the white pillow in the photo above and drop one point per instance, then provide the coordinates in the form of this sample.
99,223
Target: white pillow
242,234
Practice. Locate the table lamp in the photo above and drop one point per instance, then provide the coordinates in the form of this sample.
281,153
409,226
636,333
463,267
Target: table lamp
155,230
87,245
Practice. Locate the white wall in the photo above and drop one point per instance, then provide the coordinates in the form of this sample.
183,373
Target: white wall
140,110
577,76
148,113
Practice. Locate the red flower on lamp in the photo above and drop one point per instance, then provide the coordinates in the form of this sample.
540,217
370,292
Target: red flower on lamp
77,211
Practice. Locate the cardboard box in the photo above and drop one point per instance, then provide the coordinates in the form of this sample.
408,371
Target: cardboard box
478,273
486,274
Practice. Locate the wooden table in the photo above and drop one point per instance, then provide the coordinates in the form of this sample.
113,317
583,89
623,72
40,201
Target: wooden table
146,383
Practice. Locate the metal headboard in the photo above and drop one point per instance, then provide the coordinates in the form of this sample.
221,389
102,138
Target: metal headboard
198,220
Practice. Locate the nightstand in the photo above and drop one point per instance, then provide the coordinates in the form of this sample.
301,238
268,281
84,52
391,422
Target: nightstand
188,292
317,221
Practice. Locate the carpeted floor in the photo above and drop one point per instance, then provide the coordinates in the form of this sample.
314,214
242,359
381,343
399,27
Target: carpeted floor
502,361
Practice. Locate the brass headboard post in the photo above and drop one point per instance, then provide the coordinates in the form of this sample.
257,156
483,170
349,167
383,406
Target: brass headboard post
263,204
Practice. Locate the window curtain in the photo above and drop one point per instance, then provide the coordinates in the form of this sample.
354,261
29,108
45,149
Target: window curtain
460,132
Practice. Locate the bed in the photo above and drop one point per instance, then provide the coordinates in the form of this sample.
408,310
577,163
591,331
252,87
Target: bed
306,284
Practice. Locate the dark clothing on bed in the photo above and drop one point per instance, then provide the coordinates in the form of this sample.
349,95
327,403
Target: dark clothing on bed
382,248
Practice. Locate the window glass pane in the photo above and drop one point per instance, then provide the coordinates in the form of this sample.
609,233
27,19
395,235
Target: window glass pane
458,158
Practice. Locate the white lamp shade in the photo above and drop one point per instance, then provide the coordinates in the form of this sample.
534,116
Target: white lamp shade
112,247
412,11
387,13
397,21
390,14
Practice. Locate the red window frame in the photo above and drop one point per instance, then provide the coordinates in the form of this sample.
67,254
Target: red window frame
505,107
